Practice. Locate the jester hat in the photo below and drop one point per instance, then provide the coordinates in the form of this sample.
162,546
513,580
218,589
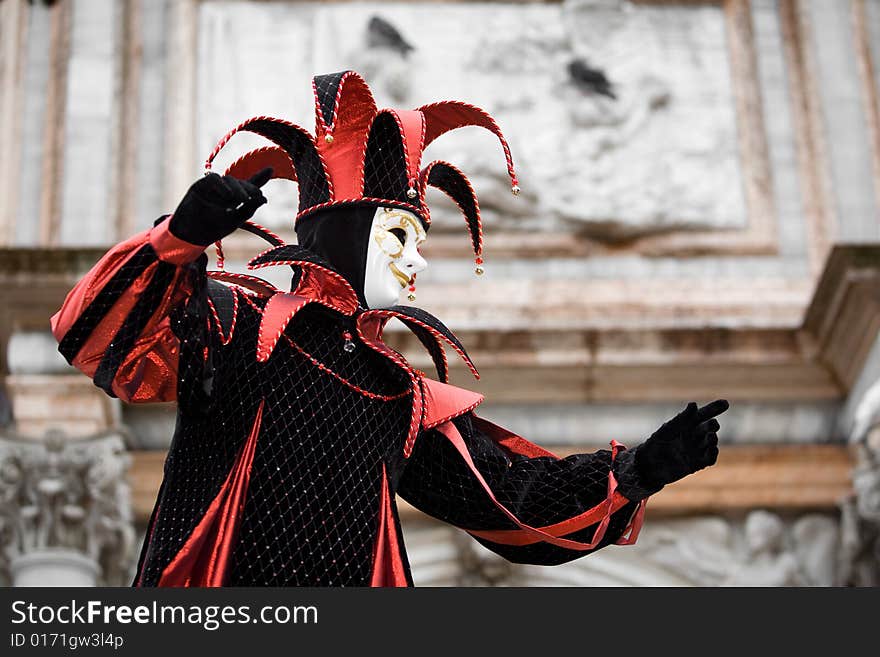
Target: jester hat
362,157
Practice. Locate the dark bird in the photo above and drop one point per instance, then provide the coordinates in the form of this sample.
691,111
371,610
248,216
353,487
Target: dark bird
590,79
382,34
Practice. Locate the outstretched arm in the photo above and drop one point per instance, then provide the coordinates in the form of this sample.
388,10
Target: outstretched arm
530,506
121,323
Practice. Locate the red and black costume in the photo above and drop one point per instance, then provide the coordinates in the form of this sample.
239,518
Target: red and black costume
297,425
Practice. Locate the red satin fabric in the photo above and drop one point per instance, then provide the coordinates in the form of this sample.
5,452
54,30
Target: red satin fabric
345,164
260,158
448,115
87,289
413,124
252,283
204,558
388,569
444,402
631,533
510,441
283,306
278,312
526,533
327,290
149,372
173,249
344,157
582,521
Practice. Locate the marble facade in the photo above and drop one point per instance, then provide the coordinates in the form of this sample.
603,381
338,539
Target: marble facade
710,229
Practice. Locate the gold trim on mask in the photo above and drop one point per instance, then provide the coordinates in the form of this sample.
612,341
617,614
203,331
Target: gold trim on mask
390,245
402,278
390,219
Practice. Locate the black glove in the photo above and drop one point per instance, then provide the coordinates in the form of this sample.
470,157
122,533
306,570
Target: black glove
214,206
686,443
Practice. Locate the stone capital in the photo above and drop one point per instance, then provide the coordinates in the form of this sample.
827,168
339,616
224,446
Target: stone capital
66,495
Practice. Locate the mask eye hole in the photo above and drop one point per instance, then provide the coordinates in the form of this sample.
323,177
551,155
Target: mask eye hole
400,234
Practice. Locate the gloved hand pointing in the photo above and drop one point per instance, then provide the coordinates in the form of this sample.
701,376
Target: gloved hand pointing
686,443
214,206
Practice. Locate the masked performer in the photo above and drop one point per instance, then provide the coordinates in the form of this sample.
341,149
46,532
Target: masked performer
296,424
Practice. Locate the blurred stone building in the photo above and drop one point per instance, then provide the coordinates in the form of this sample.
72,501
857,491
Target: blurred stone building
699,219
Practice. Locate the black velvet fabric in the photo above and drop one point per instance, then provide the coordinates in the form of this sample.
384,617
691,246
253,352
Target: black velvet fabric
427,318
289,253
683,445
310,517
434,349
224,302
214,206
334,418
314,185
189,323
455,185
539,491
385,161
327,88
311,514
341,235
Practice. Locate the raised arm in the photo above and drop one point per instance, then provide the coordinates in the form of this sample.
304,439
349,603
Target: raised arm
530,506
121,323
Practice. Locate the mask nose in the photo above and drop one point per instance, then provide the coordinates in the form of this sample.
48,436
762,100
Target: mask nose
412,262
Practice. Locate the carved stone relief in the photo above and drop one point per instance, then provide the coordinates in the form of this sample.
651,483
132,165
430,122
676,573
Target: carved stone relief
620,116
760,549
861,512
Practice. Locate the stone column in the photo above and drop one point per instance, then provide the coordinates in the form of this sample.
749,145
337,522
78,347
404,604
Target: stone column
861,512
65,510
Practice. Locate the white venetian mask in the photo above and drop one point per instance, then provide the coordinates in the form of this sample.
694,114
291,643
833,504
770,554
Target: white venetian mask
392,256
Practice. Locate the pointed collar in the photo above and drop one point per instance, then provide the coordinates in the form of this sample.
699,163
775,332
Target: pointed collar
318,282
431,332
